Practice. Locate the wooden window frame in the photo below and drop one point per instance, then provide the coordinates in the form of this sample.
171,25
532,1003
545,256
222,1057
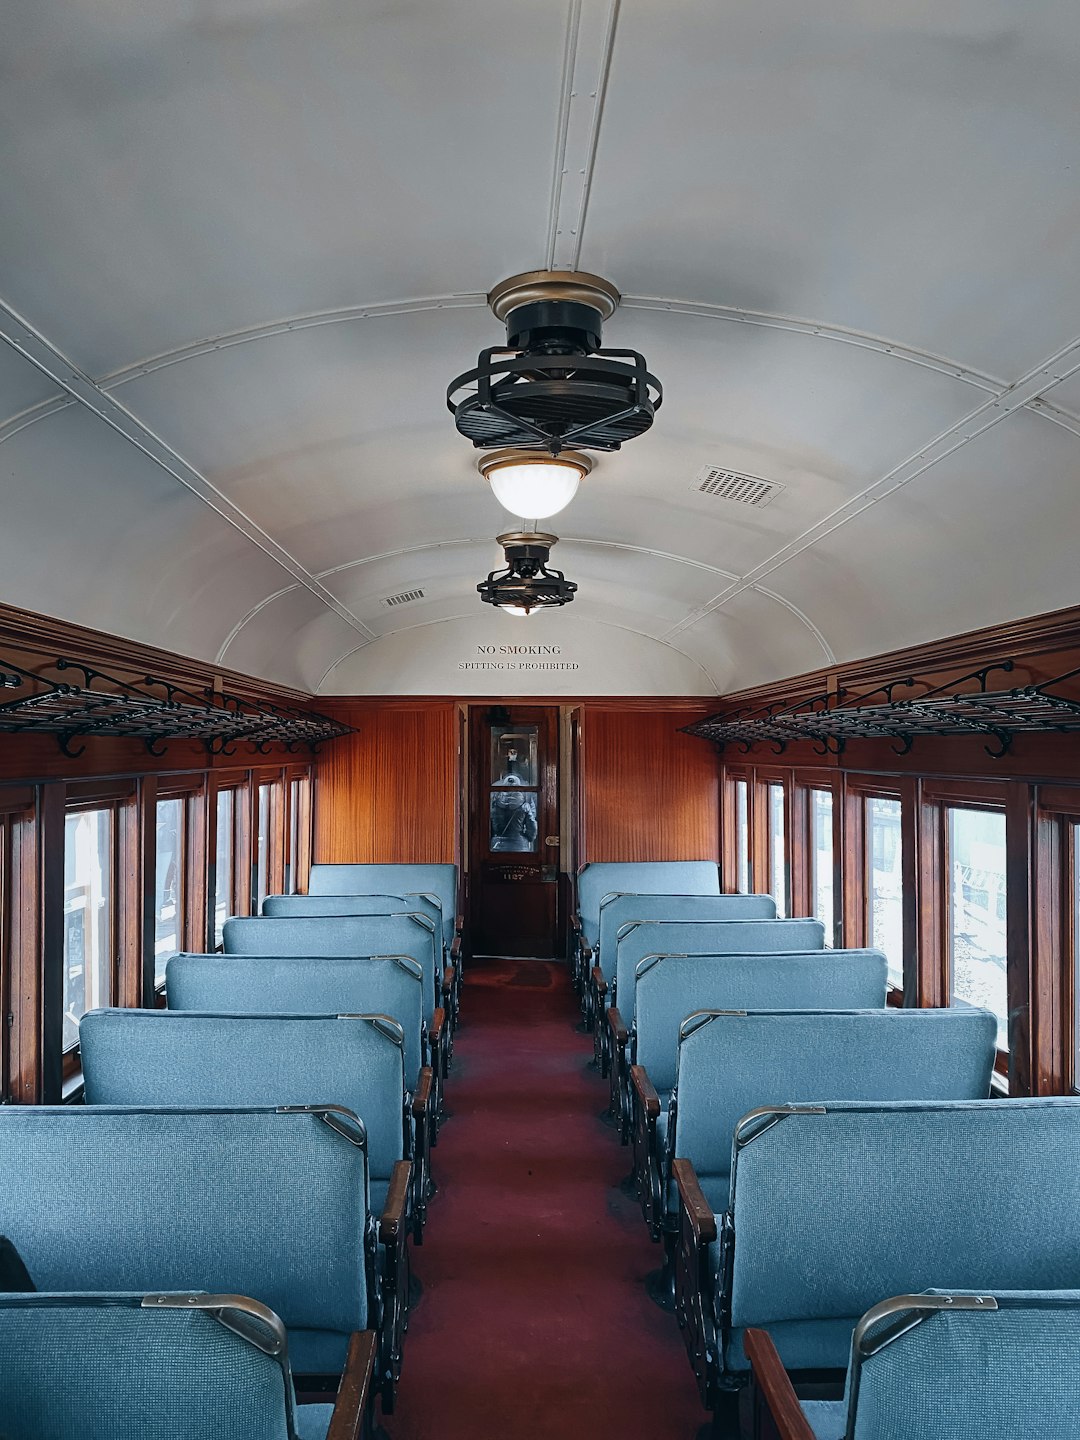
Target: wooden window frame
730,821
804,894
856,887
766,776
298,864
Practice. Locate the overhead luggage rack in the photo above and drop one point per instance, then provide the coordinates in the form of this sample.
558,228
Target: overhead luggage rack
962,706
73,701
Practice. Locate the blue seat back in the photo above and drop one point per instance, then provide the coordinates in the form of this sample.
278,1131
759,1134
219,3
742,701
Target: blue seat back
304,985
259,1202
837,1206
167,1057
1006,1366
618,910
351,935
637,940
728,1064
282,907
437,880
671,987
105,1367
645,877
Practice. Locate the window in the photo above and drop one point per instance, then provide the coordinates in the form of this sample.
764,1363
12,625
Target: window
88,916
262,862
777,853
169,884
224,889
821,860
1074,920
976,912
885,920
5,953
742,838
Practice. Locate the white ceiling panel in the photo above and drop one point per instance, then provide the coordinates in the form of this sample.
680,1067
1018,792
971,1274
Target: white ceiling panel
208,166
21,385
752,639
94,532
907,170
987,535
292,638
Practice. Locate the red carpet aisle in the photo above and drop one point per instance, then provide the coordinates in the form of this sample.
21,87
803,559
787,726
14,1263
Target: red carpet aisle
534,1321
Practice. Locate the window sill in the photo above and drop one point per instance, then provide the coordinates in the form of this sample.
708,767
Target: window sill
71,1092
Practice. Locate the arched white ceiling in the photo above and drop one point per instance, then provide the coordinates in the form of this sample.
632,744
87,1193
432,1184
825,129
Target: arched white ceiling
245,244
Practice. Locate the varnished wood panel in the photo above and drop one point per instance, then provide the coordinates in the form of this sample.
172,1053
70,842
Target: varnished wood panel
649,793
389,793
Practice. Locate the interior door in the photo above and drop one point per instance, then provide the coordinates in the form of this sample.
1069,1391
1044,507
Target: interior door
514,830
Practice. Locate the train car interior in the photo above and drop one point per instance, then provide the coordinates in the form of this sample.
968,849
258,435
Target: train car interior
497,940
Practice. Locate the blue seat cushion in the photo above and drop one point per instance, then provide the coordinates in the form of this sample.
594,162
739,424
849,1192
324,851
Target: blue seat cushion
827,1418
803,1344
317,1352
313,1421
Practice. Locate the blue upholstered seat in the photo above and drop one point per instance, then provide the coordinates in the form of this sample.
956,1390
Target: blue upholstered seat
109,1367
259,1202
439,881
964,1365
163,1057
675,877
729,1064
620,909
304,985
406,934
836,1205
285,907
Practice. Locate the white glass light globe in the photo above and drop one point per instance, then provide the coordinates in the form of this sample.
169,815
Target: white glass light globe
534,484
515,610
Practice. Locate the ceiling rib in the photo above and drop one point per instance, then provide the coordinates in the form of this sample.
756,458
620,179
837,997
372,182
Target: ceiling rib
46,358
1023,392
590,37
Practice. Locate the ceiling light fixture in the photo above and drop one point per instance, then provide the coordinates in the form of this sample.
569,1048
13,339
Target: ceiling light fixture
526,584
552,386
532,483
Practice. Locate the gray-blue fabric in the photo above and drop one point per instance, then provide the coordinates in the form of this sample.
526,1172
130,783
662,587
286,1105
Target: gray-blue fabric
78,1367
350,935
620,910
164,1057
304,985
439,880
245,1201
671,987
284,907
969,1374
735,1063
646,877
704,937
837,1210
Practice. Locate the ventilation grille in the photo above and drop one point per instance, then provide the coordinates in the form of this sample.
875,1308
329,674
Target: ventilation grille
730,485
391,602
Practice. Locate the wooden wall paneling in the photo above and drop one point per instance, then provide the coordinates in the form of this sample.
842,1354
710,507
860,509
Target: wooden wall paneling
1051,966
757,805
245,828
799,849
136,891
197,895
305,833
650,793
49,952
390,792
851,827
1021,935
729,832
275,841
25,981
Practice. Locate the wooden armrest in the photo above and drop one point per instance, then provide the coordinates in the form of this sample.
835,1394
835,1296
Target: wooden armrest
459,924
774,1387
354,1391
694,1203
599,983
455,948
617,1025
646,1091
448,980
422,1094
586,955
392,1220
575,923
436,1028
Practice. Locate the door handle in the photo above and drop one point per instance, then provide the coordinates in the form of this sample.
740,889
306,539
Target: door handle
552,840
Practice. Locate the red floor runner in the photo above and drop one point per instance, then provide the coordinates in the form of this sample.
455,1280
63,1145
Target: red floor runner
534,1321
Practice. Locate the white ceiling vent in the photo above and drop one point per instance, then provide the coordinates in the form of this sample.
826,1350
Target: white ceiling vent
730,485
391,602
